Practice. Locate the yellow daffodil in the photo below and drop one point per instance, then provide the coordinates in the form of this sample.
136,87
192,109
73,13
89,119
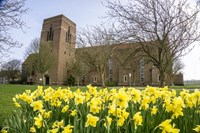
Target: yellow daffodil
137,118
4,131
95,109
197,129
55,130
37,105
145,103
47,97
58,124
26,97
108,121
65,108
47,114
166,127
121,99
78,99
56,108
32,130
17,104
91,120
154,110
120,121
73,113
124,114
38,121
67,129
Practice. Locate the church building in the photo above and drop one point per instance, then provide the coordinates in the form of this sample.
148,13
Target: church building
61,32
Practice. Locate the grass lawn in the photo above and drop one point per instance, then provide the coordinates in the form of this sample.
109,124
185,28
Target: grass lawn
7,92
186,87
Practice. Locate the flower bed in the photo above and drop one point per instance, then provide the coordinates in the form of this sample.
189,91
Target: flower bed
117,110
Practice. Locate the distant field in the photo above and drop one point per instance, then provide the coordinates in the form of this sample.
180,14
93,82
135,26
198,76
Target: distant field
185,87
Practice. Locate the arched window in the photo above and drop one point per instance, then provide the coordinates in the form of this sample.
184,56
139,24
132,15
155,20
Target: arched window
110,64
142,71
68,36
95,79
50,34
125,78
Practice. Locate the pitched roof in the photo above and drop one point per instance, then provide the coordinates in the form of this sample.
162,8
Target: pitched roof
29,58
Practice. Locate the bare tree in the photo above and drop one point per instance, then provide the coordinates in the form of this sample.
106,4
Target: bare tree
30,56
76,67
96,48
33,48
176,68
12,69
28,67
163,29
11,12
44,60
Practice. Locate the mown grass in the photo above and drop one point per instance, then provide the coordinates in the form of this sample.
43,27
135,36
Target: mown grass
186,87
7,92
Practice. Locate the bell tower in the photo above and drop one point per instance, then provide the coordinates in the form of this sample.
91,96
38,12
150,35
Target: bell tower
60,31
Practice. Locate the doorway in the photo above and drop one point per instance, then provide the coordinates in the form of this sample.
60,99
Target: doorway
46,80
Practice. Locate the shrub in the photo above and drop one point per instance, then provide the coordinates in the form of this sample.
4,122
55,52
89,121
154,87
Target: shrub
111,83
71,81
117,110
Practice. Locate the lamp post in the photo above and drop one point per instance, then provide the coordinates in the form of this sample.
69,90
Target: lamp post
129,79
40,80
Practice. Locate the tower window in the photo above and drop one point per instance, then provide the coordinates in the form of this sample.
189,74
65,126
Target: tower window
110,78
142,71
50,34
68,36
110,69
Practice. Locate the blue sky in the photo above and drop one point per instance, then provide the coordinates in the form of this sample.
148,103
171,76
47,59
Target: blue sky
83,13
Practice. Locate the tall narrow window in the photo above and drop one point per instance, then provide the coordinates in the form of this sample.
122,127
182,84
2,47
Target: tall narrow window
66,40
47,36
110,62
50,34
95,79
125,78
68,36
142,71
158,78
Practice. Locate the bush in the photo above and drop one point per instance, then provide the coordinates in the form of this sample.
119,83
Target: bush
117,110
71,81
16,82
111,83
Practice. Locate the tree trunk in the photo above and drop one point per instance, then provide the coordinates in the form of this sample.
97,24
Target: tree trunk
43,83
133,77
13,79
102,80
162,79
77,81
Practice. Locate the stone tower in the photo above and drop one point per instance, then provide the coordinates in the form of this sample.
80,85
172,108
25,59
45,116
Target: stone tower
60,31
